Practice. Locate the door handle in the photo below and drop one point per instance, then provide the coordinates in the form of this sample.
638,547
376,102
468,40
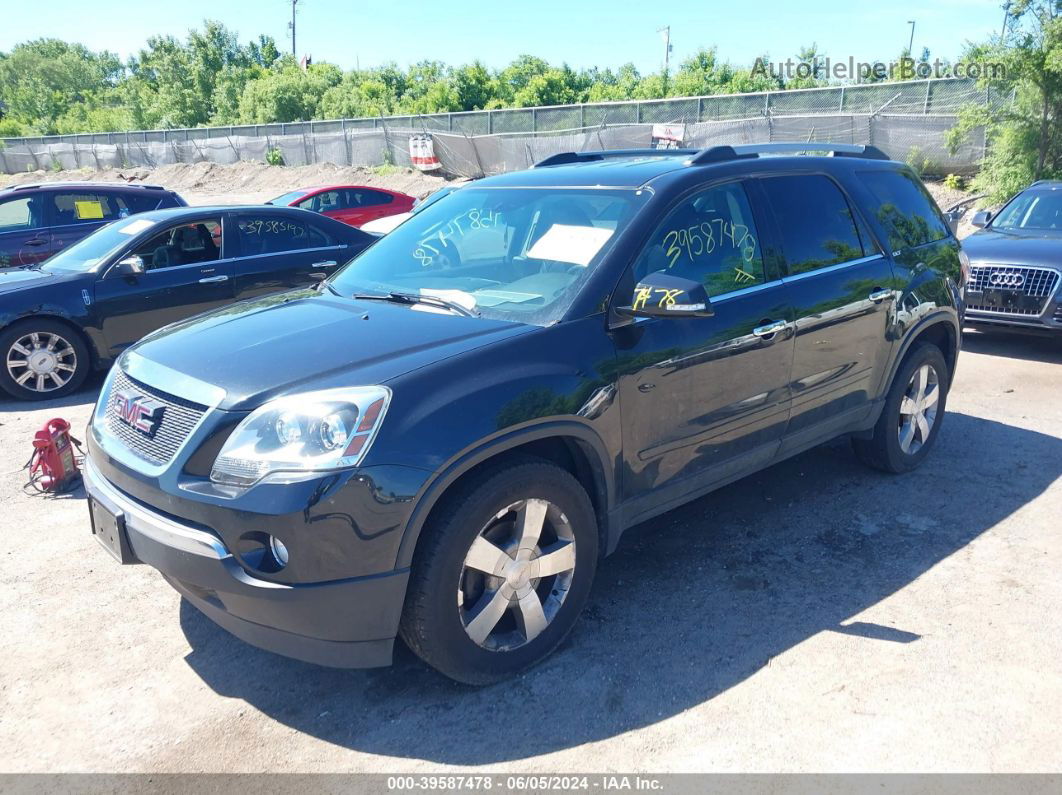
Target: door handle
36,241
214,279
328,263
768,330
880,295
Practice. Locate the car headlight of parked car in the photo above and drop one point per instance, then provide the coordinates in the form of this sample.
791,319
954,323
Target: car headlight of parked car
290,437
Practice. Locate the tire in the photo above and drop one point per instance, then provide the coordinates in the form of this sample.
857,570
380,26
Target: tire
492,630
48,357
899,443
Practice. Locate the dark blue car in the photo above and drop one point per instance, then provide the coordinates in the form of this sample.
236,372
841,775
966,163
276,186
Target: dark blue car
39,220
83,306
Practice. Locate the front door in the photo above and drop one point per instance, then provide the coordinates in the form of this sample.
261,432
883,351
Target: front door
186,272
24,240
277,253
704,399
840,285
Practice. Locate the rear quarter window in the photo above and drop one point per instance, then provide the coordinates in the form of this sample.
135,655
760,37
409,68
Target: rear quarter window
905,209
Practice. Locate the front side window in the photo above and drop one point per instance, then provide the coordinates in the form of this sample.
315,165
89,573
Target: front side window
83,208
188,244
709,238
324,202
905,209
816,224
268,234
510,253
21,214
1033,209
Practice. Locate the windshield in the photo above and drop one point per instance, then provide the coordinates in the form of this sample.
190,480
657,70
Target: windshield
507,253
84,255
287,198
428,201
1038,209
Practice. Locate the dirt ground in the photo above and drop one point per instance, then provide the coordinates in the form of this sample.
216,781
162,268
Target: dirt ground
815,617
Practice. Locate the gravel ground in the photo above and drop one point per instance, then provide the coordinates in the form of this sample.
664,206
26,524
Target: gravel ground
815,617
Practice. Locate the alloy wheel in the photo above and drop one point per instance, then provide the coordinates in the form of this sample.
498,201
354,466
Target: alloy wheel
918,409
41,361
516,575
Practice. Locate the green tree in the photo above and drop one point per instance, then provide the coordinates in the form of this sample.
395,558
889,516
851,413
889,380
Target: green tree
1025,136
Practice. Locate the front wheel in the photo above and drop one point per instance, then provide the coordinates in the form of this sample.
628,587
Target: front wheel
42,359
911,418
502,573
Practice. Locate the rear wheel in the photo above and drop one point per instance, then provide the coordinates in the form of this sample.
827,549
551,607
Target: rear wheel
502,573
42,359
914,409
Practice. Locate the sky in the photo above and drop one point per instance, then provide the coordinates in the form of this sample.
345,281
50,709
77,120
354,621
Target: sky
582,33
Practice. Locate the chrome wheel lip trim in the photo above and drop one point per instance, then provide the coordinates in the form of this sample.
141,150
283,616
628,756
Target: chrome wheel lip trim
41,362
516,573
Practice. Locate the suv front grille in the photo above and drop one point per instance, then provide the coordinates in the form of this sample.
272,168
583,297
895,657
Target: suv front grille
179,418
1037,283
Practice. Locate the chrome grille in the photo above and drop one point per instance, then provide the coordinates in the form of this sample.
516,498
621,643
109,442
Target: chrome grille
1037,283
179,418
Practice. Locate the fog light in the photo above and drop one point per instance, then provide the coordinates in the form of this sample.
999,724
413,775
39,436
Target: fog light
280,552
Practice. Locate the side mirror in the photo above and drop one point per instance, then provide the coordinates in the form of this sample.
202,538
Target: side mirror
662,294
130,266
981,219
953,217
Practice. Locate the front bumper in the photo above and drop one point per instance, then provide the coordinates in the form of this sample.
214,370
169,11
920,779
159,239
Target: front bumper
348,623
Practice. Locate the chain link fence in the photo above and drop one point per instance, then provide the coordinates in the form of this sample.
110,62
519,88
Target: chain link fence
907,120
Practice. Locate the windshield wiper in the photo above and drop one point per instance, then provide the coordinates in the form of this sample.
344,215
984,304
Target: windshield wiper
414,298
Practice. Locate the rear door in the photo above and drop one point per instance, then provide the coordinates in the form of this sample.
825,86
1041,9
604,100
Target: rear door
705,399
839,283
281,252
186,273
75,214
24,239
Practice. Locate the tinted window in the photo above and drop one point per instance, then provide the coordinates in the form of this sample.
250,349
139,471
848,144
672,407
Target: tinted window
142,203
1035,209
905,209
367,198
83,208
814,220
268,234
187,244
19,214
710,238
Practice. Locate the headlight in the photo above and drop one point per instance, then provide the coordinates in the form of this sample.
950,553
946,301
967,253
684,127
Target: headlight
295,435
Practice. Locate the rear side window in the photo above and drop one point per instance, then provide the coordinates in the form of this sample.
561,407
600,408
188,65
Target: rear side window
367,198
814,220
84,208
905,209
267,234
142,203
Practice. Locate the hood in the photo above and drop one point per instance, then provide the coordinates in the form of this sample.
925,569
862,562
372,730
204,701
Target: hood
1014,247
19,278
295,342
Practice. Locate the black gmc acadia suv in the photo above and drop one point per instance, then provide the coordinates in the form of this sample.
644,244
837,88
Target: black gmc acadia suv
442,440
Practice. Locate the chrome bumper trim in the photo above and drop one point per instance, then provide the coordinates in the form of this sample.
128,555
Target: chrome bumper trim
148,523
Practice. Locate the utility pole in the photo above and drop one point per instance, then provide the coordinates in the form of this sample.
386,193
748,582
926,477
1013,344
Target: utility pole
1006,16
666,34
910,44
292,26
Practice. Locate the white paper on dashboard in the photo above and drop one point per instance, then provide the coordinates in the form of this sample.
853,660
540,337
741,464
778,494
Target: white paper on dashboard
574,244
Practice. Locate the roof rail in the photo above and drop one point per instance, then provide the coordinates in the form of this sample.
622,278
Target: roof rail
718,154
82,184
562,158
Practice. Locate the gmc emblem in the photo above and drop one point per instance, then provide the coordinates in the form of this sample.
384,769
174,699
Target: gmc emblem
139,412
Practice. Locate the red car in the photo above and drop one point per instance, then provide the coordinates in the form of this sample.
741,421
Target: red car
351,204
